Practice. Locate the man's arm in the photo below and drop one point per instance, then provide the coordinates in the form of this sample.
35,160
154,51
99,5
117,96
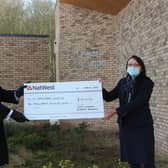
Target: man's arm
8,96
12,96
6,113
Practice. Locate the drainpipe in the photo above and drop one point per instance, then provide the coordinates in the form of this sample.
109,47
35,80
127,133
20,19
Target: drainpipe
56,50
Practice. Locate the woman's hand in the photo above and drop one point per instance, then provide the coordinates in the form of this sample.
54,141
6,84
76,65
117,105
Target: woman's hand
110,113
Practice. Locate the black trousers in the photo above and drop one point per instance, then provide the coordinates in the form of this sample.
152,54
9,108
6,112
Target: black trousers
140,166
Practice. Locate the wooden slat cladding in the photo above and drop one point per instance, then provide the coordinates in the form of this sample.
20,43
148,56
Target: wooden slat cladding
106,6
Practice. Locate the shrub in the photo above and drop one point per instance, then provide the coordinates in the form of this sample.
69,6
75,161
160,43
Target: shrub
49,165
66,164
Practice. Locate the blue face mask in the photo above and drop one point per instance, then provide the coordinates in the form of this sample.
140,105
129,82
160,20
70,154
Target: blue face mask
133,71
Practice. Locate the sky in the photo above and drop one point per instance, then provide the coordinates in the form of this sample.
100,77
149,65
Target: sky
30,0
27,1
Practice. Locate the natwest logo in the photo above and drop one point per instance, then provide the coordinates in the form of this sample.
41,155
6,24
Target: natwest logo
29,88
41,87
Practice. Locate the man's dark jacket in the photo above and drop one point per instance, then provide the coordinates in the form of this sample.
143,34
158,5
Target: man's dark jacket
5,96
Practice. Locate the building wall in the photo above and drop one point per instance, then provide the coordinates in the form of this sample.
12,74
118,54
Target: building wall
23,58
143,30
86,49
93,45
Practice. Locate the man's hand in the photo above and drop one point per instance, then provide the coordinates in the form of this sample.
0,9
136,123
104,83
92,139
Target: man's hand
18,116
20,89
110,113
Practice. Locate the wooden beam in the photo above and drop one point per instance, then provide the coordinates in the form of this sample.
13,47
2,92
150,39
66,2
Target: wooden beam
106,6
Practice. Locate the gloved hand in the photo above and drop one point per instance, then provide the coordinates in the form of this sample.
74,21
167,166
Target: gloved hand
20,90
18,116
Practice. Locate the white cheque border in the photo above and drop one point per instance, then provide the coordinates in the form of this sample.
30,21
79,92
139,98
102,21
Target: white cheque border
83,102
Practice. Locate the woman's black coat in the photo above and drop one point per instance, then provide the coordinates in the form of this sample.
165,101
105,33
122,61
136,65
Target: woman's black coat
134,118
5,96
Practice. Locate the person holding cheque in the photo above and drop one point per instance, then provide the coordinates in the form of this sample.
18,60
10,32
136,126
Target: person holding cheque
134,115
10,96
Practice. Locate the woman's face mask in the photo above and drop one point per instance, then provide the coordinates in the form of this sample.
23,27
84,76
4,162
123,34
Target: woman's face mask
133,71
133,68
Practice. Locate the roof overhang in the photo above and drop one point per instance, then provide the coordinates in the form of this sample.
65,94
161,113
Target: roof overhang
106,6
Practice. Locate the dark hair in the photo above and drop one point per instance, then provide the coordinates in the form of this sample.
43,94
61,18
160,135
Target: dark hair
140,62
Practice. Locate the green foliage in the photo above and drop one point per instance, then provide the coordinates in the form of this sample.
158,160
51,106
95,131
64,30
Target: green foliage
70,164
34,17
76,138
122,165
25,135
66,164
94,166
37,145
49,165
31,141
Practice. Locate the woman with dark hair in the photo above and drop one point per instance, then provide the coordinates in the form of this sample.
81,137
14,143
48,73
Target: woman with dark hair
134,115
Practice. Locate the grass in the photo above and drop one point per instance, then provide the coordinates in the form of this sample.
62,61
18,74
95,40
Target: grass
161,161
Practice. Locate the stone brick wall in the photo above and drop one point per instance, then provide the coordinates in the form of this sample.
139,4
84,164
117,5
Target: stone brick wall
143,30
87,49
23,58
